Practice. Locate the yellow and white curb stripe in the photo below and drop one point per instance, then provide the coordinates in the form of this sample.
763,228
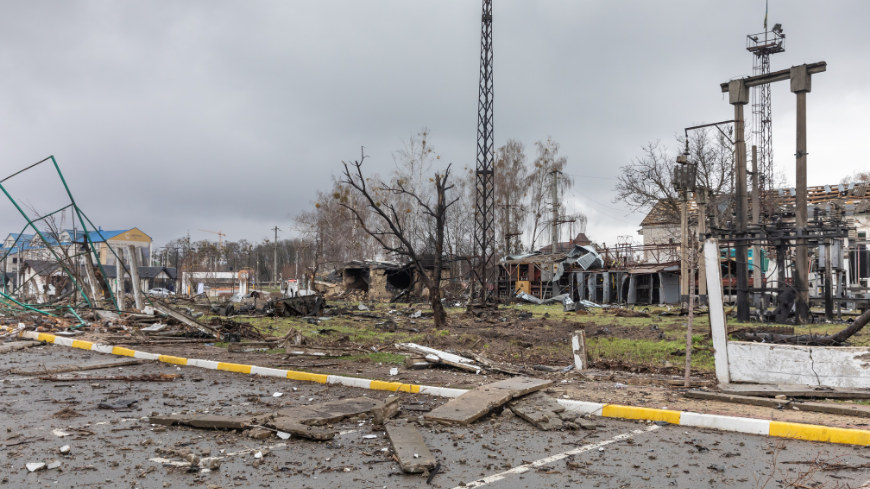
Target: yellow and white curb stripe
247,369
736,424
780,429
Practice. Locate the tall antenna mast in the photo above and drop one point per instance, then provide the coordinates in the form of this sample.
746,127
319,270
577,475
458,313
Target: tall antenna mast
485,192
762,45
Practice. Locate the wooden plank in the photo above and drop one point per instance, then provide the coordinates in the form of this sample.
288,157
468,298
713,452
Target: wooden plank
17,345
540,410
250,347
184,319
74,368
816,407
752,401
794,390
476,403
839,409
410,449
578,342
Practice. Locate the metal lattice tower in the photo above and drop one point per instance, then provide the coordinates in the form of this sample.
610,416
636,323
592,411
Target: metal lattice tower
762,45
485,195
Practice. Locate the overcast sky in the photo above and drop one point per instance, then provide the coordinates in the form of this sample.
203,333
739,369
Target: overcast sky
177,116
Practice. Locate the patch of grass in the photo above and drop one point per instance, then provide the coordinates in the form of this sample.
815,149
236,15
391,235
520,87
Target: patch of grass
646,352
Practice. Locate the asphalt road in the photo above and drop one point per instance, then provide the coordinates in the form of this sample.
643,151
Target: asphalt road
118,448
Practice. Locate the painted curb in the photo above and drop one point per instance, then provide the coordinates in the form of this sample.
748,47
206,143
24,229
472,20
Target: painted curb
751,426
736,424
247,369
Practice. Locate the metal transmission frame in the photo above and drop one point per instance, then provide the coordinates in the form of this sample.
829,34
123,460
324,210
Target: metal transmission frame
485,183
762,45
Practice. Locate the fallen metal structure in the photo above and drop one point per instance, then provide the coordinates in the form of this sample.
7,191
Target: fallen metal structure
306,305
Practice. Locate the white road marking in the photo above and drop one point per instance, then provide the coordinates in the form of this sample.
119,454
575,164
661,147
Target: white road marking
521,469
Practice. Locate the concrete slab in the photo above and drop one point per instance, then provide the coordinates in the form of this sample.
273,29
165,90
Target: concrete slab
539,409
476,403
410,449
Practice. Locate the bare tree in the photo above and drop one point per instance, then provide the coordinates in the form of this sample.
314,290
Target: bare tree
510,184
539,185
856,176
391,229
646,182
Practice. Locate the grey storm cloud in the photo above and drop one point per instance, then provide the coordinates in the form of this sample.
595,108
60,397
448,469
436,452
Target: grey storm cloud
177,116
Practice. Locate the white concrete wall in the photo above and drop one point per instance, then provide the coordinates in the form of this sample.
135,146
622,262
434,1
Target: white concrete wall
811,365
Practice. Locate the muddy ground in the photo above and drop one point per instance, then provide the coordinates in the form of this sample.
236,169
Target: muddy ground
119,448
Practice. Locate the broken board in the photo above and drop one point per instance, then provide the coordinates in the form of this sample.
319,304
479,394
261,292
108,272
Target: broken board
540,410
794,390
816,407
476,403
410,449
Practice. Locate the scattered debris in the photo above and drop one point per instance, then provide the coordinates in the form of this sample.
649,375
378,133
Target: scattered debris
118,404
306,305
67,413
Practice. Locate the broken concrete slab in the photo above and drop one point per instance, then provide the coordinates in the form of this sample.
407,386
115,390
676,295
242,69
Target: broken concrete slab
329,412
410,449
476,403
540,410
207,421
385,410
294,427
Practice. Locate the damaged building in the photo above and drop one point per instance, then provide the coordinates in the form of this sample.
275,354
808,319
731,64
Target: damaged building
608,276
385,280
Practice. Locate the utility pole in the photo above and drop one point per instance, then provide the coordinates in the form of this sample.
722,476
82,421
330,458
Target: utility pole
800,86
757,271
738,96
554,229
684,246
702,195
554,213
829,286
484,240
275,259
